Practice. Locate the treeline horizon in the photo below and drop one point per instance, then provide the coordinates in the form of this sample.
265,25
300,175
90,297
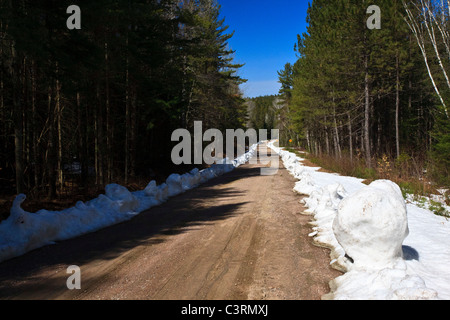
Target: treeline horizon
104,100
366,94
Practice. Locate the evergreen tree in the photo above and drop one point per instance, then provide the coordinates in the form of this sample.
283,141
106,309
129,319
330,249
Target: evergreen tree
357,90
99,104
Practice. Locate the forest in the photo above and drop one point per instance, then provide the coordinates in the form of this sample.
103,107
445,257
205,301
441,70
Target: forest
375,98
86,107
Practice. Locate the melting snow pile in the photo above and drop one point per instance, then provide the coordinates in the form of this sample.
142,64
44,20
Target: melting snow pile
24,231
387,249
371,225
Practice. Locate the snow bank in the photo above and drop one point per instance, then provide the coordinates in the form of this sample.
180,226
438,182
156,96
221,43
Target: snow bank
371,225
366,228
24,231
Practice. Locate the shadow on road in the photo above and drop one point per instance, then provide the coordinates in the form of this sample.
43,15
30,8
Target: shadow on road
178,215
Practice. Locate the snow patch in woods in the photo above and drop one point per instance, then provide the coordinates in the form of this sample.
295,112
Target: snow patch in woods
389,250
24,231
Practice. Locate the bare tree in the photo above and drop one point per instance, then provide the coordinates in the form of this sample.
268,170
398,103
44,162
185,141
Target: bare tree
428,20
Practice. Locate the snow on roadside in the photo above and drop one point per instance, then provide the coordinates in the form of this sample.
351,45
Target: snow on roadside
404,266
24,231
432,203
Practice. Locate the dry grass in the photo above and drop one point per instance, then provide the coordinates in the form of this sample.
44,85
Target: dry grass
406,171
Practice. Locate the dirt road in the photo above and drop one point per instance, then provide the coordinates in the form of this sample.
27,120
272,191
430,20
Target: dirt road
240,236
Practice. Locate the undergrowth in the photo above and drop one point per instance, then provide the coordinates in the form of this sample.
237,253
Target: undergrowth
408,172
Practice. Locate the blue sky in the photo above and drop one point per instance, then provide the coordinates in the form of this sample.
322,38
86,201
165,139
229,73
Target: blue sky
265,34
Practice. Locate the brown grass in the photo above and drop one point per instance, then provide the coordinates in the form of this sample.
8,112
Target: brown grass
406,171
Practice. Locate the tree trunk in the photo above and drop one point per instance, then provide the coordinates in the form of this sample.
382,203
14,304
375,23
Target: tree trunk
308,140
327,141
127,119
99,154
49,154
379,133
82,143
367,114
34,124
350,137
337,142
59,129
109,123
18,144
417,29
397,107
25,123
133,137
18,121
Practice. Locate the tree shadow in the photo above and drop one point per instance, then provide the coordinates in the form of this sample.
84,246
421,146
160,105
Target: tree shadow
195,208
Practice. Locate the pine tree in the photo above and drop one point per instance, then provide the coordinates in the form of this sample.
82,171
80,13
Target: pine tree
368,101
105,99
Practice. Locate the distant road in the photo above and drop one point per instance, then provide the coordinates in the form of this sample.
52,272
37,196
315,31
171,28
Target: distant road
240,236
